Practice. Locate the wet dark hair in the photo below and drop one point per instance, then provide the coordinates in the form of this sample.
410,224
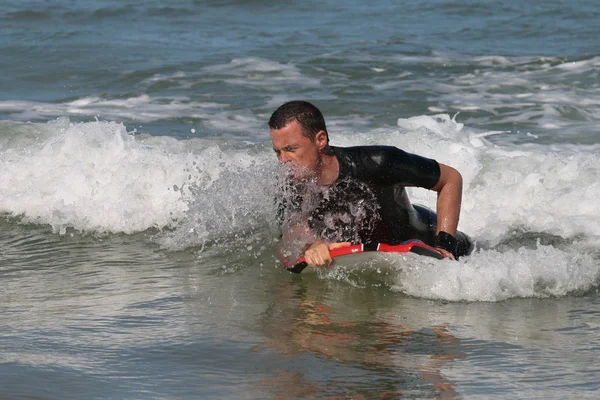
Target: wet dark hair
308,116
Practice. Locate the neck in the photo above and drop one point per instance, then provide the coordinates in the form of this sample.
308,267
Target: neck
329,171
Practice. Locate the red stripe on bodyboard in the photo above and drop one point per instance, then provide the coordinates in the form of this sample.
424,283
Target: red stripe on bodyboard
414,246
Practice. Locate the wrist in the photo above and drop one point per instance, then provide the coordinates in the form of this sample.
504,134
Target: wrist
446,241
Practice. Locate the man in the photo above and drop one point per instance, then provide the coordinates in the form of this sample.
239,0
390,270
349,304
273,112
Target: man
357,194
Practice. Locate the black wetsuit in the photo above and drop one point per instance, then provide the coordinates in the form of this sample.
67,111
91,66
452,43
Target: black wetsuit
368,201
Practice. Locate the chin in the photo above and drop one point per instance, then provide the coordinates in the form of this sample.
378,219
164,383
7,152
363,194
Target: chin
297,178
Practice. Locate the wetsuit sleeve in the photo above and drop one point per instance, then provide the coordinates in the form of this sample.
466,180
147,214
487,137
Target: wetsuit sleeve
389,165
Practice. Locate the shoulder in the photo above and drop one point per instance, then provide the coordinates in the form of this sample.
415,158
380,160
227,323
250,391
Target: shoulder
362,151
389,165
374,156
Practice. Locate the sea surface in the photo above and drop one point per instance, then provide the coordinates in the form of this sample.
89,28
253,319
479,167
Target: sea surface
138,244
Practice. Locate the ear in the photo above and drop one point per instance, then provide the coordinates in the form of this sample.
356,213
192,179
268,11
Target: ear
321,140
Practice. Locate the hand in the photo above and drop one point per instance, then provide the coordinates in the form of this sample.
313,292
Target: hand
446,253
317,254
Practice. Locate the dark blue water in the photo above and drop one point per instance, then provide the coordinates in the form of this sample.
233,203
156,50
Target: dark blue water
236,60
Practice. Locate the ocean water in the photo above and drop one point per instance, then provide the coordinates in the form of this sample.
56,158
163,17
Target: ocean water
138,247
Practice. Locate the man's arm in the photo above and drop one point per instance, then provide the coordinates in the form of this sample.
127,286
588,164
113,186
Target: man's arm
299,239
449,188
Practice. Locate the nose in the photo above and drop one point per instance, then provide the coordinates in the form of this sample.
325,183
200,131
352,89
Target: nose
283,158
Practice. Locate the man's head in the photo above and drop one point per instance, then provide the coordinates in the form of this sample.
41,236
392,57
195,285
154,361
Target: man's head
299,138
307,115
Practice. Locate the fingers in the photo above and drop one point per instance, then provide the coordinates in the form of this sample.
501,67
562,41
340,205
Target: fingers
317,255
338,245
446,253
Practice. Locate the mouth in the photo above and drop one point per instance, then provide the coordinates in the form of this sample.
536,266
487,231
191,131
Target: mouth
290,170
297,173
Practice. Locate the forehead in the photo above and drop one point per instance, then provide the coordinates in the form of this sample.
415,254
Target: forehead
290,134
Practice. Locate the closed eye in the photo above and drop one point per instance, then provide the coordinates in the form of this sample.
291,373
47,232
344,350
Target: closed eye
287,149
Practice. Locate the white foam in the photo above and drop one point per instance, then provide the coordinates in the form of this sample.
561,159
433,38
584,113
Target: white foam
237,199
495,276
486,275
545,93
551,189
92,177
562,105
139,109
544,188
445,58
179,78
143,108
580,66
97,177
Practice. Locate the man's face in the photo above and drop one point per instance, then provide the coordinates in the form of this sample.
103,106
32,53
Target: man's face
298,153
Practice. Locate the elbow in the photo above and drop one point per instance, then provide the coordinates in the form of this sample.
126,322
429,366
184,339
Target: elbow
457,178
449,176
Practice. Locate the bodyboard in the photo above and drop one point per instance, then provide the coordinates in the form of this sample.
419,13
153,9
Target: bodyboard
410,246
